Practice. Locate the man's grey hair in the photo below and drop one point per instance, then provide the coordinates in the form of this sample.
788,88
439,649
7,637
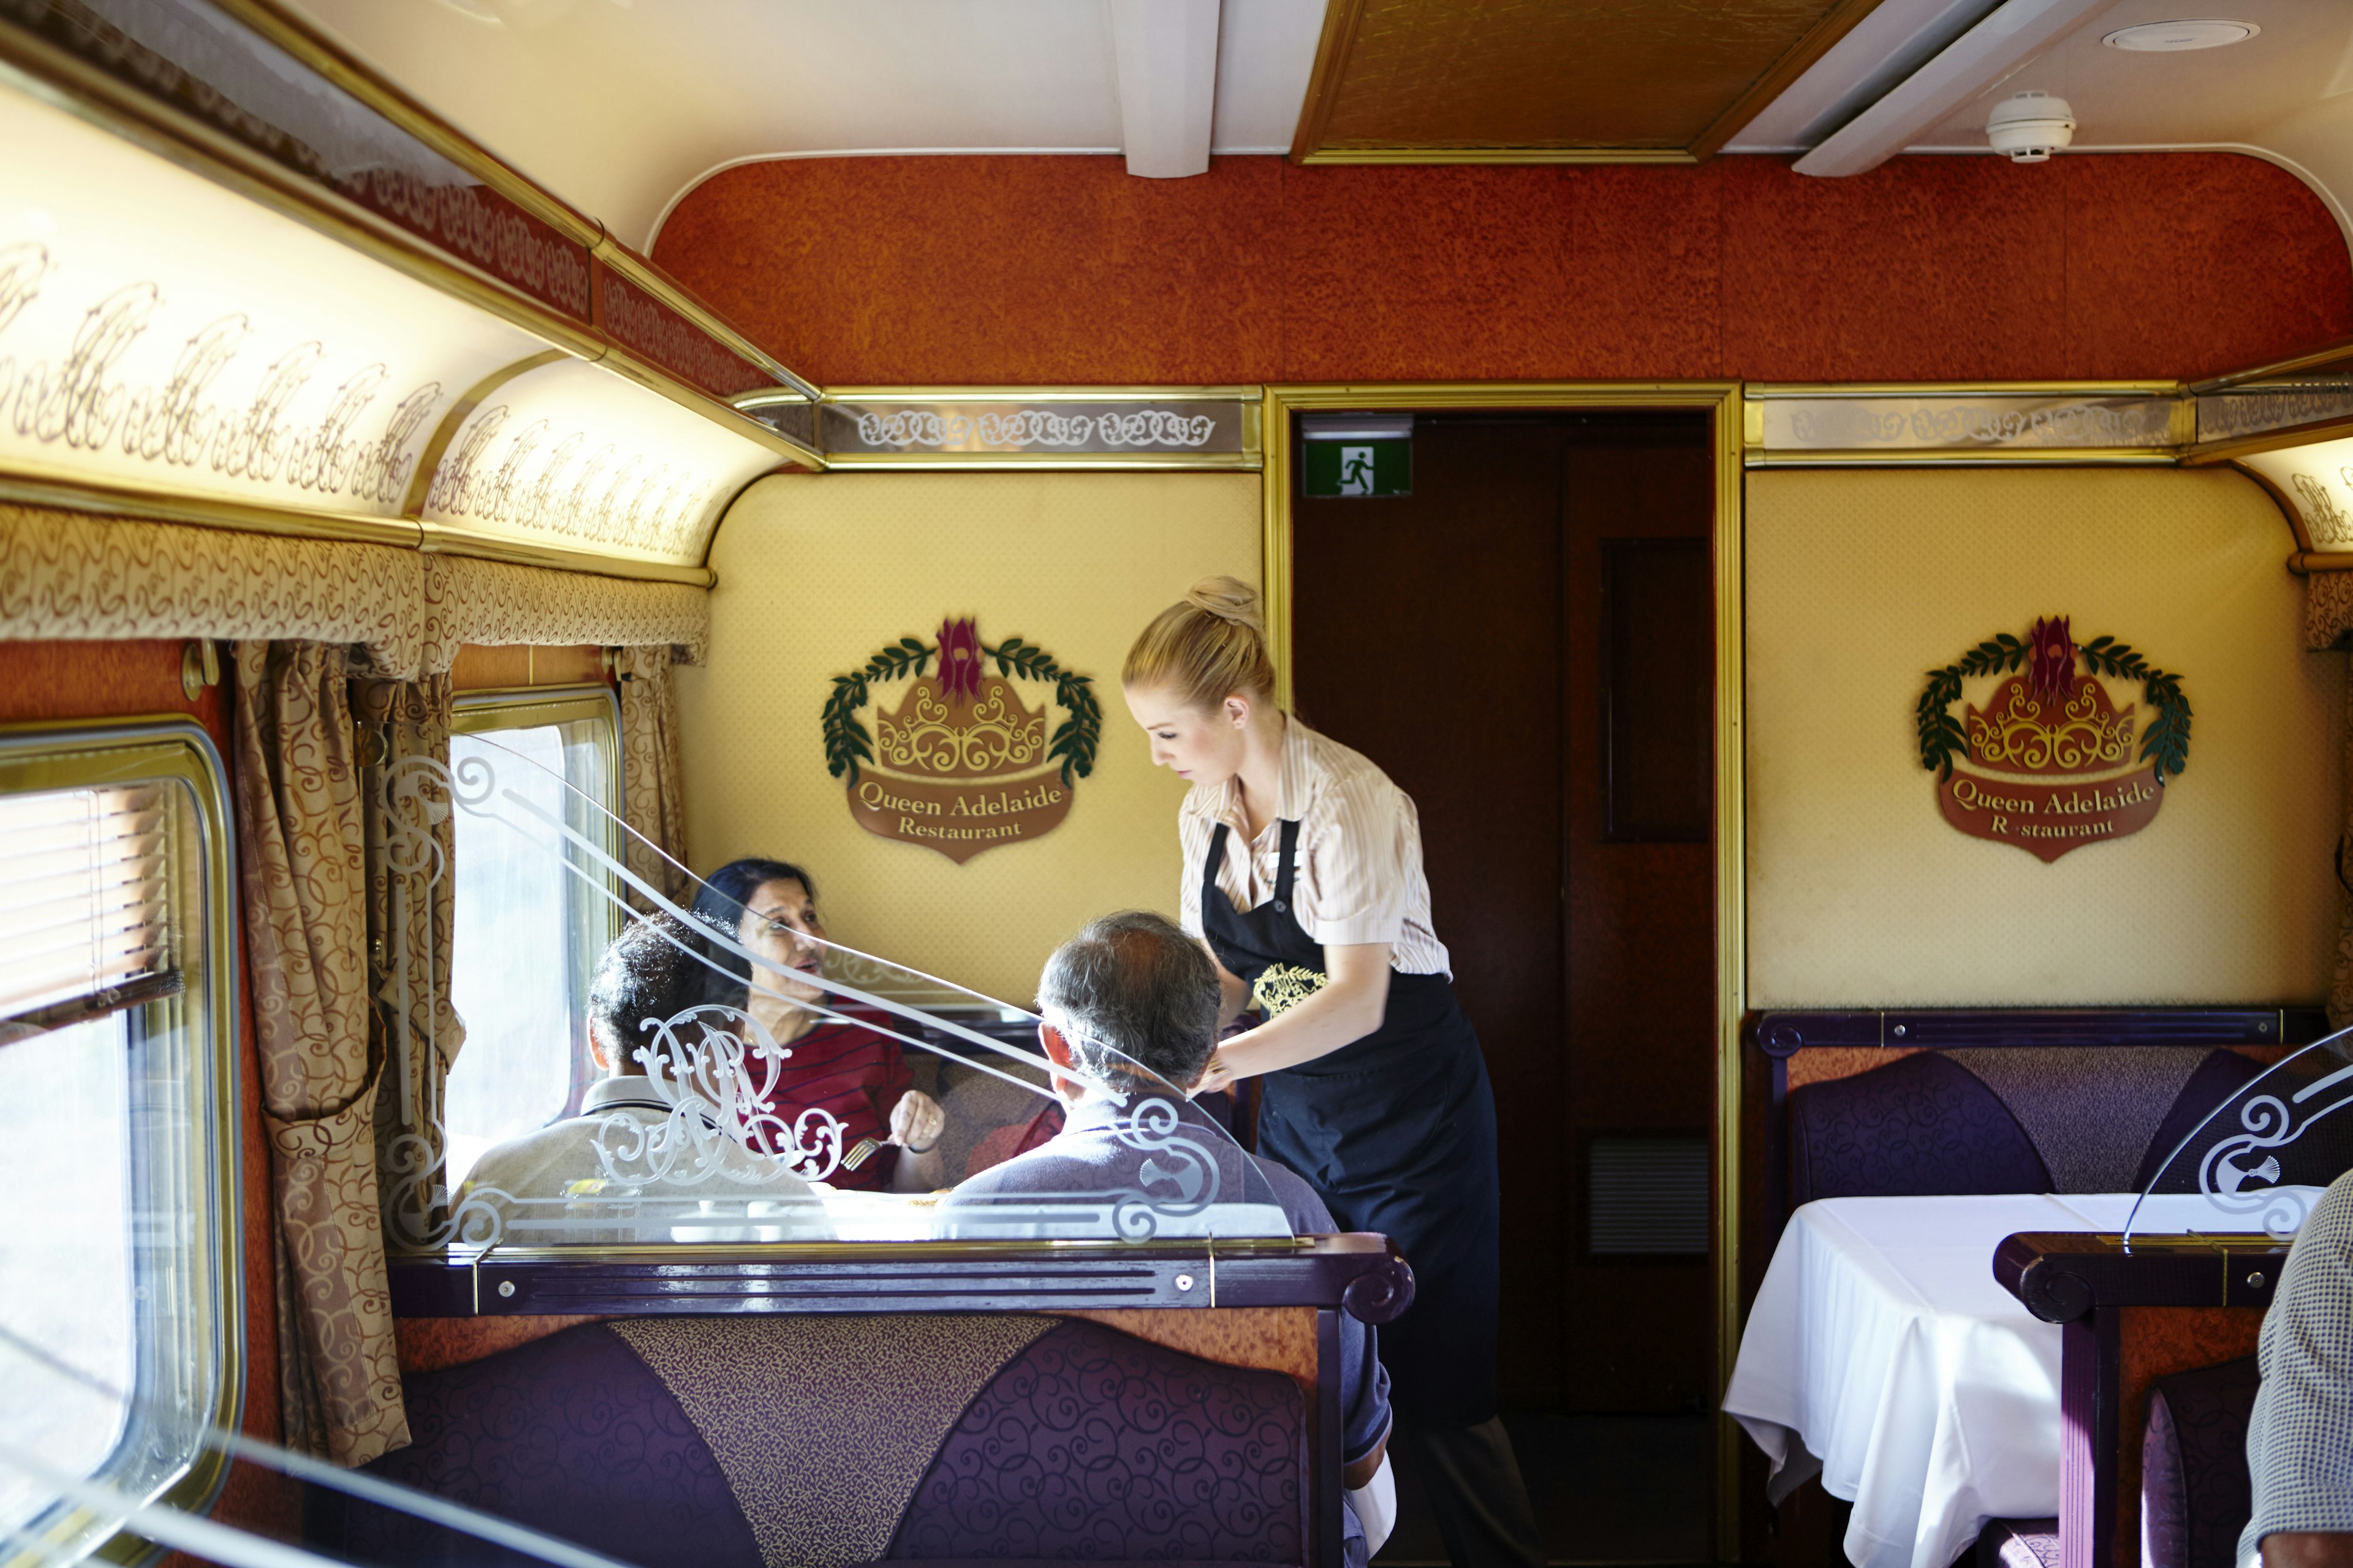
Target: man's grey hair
1134,982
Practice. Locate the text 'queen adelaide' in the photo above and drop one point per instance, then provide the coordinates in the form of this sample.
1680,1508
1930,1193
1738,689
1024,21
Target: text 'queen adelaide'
2055,763
963,762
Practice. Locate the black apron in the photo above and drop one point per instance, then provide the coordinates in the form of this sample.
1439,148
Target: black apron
1396,1132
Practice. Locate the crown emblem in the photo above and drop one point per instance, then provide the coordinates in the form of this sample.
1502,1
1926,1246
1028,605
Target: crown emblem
2059,753
2051,720
962,765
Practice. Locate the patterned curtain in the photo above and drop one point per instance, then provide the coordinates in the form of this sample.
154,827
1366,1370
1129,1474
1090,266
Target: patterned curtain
302,858
411,906
653,795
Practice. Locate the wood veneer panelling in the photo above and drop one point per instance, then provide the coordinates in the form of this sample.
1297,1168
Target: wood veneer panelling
47,681
480,669
907,270
429,1345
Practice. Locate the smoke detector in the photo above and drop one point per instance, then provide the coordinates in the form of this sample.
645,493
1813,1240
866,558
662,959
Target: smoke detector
2031,126
2172,38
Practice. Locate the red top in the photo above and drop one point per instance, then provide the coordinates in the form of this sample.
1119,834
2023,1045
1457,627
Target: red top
855,1076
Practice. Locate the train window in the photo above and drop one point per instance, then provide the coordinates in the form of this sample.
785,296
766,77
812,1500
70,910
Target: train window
533,909
121,1328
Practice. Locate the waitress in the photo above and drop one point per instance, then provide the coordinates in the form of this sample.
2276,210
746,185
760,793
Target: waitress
1303,873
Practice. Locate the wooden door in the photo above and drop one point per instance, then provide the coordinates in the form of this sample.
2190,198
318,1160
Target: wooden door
1472,638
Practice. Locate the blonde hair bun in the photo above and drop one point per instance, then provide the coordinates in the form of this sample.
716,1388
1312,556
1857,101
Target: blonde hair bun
1208,645
1229,599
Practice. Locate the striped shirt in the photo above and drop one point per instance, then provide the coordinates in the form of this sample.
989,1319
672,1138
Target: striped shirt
1358,876
854,1076
2300,1437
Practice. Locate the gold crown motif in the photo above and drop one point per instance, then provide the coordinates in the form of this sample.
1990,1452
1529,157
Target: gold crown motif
2079,733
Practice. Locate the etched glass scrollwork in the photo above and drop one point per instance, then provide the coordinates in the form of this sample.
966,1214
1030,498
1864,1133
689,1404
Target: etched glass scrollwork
2260,1158
757,1082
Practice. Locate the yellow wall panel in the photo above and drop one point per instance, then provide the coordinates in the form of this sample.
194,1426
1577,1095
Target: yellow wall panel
1859,894
816,573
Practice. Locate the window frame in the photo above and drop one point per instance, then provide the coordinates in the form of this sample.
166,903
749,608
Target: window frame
35,757
491,711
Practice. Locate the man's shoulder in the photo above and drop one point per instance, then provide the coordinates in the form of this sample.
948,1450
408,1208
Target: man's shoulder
2329,1225
535,1157
1297,1200
1049,1167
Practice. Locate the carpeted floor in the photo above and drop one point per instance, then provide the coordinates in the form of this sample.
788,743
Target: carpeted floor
1607,1489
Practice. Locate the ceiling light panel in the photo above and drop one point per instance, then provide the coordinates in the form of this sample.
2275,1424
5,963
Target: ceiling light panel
2318,481
160,331
574,457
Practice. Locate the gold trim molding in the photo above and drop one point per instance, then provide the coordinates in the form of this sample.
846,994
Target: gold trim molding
1092,428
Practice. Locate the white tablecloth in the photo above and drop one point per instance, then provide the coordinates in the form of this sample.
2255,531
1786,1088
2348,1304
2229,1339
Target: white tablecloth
1880,1348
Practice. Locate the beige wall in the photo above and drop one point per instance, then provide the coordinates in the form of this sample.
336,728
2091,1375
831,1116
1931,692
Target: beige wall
816,573
1859,893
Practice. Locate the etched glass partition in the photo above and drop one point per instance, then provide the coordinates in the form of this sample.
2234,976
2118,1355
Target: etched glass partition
2261,1158
755,1082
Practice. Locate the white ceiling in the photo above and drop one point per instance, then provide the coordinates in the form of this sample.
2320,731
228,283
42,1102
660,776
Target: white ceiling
2285,94
620,105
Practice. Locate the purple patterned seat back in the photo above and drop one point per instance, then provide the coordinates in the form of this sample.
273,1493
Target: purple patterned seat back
1094,1445
2221,1075
2195,1497
2014,1120
1918,1127
572,1435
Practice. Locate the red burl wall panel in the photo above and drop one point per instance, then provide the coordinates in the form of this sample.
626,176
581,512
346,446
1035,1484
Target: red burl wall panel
1036,269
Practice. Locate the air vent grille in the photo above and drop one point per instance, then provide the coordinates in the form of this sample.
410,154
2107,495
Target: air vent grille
1647,1197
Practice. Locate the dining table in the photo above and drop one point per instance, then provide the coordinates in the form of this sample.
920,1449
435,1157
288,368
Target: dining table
1881,1356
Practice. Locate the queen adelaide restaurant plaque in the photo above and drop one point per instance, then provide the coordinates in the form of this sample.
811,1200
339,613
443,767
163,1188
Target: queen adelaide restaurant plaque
2055,764
963,762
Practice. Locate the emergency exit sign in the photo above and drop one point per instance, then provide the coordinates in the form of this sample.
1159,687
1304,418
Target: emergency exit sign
1366,467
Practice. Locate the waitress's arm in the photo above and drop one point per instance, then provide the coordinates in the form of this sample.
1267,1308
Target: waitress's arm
1350,1006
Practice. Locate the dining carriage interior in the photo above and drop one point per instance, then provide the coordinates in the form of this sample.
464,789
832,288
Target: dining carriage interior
617,950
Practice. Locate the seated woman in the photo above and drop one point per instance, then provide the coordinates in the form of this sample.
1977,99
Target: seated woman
854,1074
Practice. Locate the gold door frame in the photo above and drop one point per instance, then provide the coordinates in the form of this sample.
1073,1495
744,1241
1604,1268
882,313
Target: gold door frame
1723,400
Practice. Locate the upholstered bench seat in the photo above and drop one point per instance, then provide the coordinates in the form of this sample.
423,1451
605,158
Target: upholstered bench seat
737,1442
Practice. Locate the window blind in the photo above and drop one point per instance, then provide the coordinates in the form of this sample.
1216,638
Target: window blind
84,912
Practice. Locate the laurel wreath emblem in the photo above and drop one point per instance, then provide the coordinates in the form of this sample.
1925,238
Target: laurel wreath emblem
848,743
2166,744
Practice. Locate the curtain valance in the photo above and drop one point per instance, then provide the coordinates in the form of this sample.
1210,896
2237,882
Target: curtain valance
491,601
70,574
2327,608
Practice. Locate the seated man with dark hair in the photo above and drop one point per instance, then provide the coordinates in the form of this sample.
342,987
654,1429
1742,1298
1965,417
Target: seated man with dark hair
2300,1437
1135,984
638,1152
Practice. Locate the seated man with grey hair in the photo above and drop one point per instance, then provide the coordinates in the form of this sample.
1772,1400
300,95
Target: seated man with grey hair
641,1153
1132,992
